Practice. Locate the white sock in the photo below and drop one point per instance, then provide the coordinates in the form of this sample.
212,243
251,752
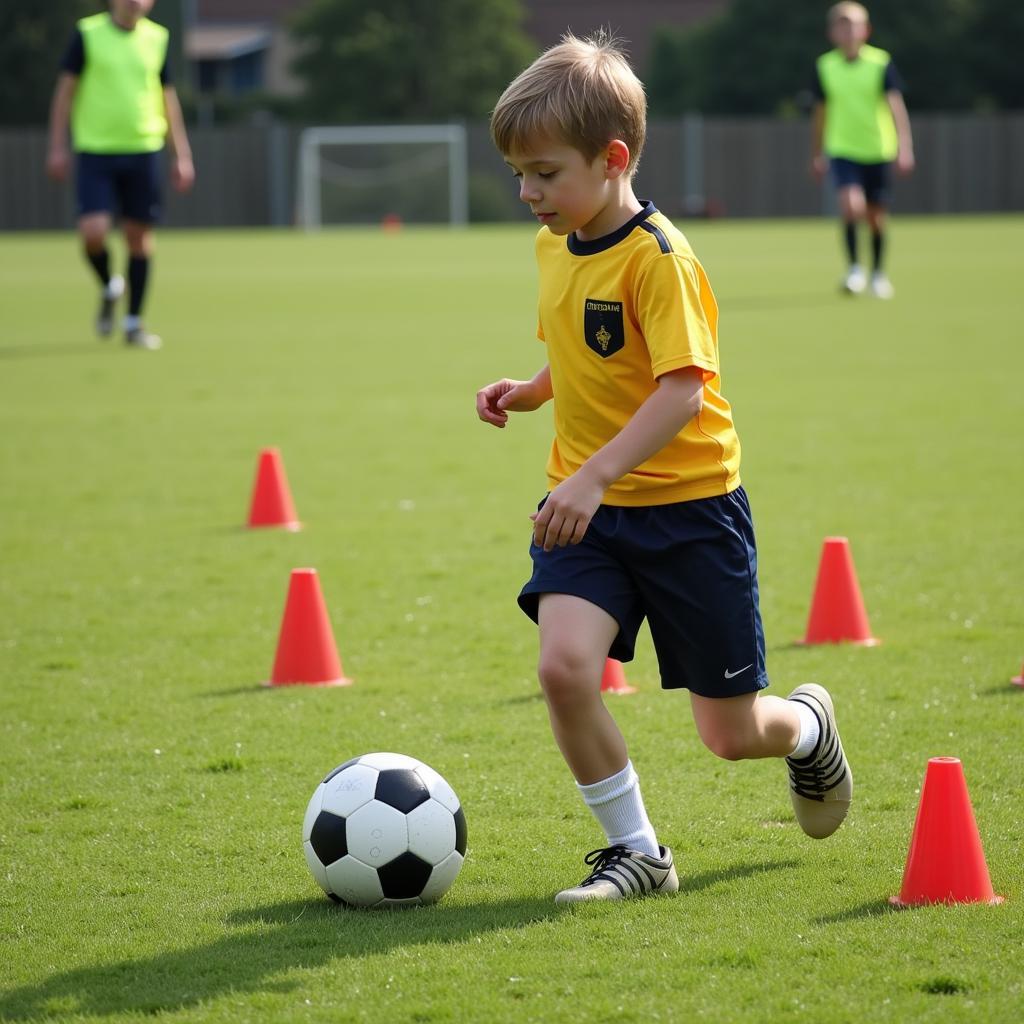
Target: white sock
810,730
132,323
619,808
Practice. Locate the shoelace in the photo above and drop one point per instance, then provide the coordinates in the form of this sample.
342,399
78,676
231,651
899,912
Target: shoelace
602,859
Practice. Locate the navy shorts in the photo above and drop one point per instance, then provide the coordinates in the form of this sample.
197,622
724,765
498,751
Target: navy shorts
872,178
689,568
125,183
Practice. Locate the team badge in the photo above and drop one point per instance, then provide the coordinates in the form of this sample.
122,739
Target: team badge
602,326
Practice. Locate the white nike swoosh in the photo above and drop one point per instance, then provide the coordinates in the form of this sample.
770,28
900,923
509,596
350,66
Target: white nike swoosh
729,675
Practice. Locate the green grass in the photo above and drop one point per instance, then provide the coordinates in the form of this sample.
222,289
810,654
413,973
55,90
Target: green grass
152,793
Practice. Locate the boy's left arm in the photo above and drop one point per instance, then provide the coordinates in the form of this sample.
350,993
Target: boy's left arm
182,172
571,505
905,153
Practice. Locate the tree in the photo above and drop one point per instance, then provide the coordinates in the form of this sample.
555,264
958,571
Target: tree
406,60
32,39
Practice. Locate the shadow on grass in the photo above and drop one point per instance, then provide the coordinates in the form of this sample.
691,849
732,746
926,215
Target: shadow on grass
1007,689
873,908
38,351
706,879
299,934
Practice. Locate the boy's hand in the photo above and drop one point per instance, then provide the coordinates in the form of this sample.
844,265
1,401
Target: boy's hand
819,167
904,163
58,162
497,400
183,174
567,512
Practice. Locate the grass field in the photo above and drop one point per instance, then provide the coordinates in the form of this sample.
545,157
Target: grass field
152,792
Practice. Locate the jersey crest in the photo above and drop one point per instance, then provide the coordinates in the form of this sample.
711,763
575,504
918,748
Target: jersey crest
602,327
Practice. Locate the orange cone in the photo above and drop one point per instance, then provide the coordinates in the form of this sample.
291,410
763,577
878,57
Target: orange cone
837,609
1019,680
946,863
271,500
305,647
613,679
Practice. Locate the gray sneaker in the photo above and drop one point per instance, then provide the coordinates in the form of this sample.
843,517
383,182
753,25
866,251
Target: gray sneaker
139,337
620,873
108,298
821,785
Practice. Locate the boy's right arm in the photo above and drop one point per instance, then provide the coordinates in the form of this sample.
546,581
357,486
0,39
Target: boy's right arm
497,400
819,164
58,155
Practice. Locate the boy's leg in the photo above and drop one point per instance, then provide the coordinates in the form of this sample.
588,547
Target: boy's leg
94,187
140,189
802,729
852,209
575,636
139,237
881,287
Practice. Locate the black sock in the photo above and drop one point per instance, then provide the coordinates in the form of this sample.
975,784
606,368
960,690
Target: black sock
138,273
100,263
851,241
877,245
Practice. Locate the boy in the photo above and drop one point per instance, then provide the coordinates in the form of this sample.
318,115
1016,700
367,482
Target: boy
860,126
115,89
645,514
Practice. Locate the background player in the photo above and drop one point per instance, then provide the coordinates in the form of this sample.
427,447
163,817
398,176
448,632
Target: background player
115,89
860,126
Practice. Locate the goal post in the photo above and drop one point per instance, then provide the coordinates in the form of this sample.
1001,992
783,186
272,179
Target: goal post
361,173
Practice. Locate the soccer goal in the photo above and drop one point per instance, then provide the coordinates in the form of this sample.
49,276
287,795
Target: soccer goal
372,173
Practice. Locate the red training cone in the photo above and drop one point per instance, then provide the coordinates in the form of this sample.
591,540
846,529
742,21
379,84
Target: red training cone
946,863
271,500
305,648
1019,680
613,679
837,609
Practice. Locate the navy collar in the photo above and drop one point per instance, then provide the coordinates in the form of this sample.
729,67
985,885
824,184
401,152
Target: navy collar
579,247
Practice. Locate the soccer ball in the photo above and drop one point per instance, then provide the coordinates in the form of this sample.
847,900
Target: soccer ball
384,829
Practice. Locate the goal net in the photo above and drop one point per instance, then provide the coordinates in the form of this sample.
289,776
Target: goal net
366,174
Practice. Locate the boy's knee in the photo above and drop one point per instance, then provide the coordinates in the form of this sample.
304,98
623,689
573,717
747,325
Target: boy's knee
727,744
564,678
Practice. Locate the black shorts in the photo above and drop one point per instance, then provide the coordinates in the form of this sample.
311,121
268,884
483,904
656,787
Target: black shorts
872,178
689,568
125,183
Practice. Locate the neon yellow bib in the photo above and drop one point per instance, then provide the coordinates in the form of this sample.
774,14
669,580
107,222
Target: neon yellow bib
119,102
858,121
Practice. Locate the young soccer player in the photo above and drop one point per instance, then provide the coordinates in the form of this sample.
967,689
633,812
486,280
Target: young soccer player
860,126
645,516
115,89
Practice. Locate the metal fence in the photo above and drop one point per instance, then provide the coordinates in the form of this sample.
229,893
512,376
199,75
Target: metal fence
737,167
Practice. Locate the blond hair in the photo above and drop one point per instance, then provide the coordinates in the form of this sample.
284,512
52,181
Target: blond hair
582,92
851,11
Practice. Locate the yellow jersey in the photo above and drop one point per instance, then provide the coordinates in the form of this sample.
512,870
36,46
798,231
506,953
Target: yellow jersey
616,313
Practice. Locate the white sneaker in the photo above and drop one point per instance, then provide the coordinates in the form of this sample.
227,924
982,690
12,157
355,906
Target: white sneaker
821,785
139,337
108,297
620,873
856,280
881,286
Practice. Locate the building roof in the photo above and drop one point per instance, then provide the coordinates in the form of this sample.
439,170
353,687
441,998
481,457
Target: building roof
225,42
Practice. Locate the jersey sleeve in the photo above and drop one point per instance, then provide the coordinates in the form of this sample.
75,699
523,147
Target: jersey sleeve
73,59
893,81
678,316
817,89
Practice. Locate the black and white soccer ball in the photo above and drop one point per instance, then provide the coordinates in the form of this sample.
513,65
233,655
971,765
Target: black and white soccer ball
384,829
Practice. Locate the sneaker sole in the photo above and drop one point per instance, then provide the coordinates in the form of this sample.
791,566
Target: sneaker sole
591,894
821,818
